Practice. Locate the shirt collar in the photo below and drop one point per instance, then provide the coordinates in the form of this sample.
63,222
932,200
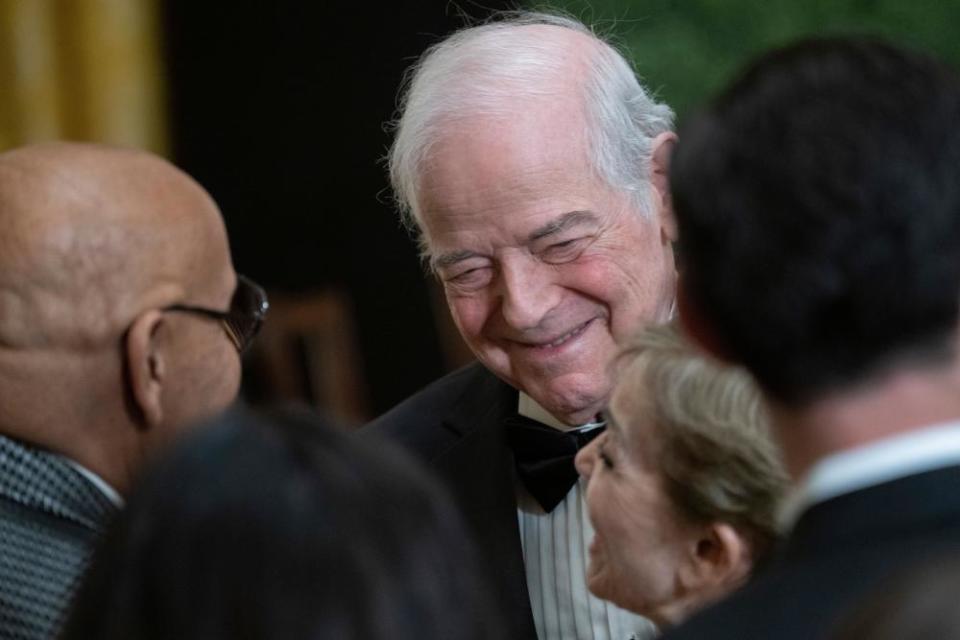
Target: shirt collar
931,447
101,484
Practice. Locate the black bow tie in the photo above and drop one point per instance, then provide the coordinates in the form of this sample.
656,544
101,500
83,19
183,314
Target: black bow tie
544,457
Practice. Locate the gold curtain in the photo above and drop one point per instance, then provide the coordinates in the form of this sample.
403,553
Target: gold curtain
81,70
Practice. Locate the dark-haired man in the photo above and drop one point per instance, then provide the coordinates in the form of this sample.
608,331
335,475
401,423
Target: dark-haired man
818,203
121,319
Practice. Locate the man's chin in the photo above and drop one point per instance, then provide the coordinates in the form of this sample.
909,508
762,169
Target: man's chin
574,407
573,398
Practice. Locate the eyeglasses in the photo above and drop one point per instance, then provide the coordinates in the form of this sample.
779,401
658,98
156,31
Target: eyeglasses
242,321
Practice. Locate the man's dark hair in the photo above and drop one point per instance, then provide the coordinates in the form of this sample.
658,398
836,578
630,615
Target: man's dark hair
282,527
818,203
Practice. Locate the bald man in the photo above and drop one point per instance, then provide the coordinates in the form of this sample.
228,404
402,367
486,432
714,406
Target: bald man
121,322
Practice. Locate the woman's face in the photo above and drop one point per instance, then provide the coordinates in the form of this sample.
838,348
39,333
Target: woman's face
640,539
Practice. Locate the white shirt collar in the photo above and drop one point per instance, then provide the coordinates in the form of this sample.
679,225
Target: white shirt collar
888,459
530,408
101,484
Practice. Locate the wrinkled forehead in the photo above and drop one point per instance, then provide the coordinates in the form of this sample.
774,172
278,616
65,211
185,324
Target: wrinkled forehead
492,170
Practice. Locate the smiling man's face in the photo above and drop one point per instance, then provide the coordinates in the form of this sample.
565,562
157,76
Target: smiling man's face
544,266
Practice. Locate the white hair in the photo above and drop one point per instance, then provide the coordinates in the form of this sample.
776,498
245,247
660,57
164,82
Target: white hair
482,69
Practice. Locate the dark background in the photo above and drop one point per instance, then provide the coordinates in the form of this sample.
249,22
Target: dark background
278,109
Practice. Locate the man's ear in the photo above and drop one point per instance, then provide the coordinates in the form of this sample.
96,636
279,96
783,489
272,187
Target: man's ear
662,149
718,559
145,366
695,326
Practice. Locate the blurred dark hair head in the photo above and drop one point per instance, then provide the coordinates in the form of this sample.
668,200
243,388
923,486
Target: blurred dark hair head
818,204
711,442
282,527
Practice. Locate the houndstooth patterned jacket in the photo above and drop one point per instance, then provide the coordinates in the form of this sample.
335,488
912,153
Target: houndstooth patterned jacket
50,518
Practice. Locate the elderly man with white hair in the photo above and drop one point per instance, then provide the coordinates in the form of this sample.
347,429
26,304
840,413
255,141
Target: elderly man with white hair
532,165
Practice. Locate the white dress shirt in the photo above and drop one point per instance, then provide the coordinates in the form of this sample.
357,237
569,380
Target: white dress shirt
926,449
555,554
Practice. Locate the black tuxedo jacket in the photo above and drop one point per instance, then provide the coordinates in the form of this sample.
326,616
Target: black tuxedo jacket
50,518
837,553
456,426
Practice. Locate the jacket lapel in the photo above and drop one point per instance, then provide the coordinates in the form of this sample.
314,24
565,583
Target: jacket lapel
479,470
43,481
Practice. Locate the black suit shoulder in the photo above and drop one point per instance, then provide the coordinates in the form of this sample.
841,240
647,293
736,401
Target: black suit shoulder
839,551
456,425
435,418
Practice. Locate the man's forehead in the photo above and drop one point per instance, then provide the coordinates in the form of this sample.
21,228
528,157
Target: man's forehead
534,200
482,184
529,137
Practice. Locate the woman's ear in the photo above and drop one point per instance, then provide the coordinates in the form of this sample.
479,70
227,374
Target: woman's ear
145,366
718,560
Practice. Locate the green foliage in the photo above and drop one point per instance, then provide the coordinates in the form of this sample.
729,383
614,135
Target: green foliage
687,49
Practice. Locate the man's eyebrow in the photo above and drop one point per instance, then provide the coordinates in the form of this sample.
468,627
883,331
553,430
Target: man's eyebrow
451,258
567,220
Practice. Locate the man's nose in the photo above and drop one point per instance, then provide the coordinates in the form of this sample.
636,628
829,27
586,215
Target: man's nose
527,291
586,458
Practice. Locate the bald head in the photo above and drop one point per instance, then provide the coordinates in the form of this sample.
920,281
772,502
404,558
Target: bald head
95,244
91,235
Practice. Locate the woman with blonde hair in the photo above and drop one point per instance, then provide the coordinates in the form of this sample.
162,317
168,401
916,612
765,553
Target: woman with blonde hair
683,486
